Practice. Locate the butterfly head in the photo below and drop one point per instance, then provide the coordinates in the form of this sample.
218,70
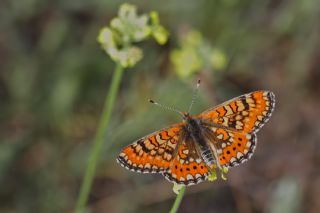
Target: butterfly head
192,125
188,119
186,116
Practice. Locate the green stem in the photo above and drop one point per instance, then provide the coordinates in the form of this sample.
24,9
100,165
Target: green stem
178,200
99,138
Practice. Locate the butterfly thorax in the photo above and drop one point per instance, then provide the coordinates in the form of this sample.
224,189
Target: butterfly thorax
194,132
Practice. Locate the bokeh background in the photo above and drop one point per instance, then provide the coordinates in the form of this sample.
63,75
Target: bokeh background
54,78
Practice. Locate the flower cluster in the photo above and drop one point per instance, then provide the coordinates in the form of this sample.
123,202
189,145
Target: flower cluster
128,28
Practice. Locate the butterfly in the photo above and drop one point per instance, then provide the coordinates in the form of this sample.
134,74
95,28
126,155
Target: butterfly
185,153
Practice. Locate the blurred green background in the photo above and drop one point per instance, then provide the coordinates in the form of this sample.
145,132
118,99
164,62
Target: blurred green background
54,78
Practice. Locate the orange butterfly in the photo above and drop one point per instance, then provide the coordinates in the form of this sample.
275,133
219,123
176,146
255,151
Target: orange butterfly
186,153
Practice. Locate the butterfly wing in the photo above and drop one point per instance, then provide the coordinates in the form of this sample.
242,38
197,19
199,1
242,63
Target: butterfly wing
231,147
153,153
187,168
246,113
231,127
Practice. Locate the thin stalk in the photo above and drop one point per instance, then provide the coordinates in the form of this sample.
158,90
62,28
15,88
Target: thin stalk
178,200
99,139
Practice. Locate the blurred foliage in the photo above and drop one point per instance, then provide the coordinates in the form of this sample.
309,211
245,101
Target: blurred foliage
196,55
286,197
54,78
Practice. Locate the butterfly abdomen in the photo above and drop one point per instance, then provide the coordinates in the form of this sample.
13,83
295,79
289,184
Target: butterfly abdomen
207,156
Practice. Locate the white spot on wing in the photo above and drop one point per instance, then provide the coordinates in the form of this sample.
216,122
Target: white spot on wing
225,121
229,110
220,136
239,155
159,139
185,151
148,166
248,144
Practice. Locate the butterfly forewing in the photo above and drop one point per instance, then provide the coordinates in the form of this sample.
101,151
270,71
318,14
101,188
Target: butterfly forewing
245,113
152,153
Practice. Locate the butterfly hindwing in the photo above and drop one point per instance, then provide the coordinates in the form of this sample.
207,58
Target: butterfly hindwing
247,113
187,168
232,147
153,153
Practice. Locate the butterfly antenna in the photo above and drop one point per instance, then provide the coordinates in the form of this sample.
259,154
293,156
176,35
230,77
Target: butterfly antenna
194,95
166,107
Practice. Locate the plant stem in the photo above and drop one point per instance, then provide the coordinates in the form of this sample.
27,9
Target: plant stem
178,200
99,139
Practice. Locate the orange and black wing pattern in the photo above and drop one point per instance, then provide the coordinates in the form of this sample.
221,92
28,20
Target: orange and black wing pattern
187,167
246,113
232,147
231,127
153,153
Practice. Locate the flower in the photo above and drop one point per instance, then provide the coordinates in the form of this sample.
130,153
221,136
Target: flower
128,28
177,187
